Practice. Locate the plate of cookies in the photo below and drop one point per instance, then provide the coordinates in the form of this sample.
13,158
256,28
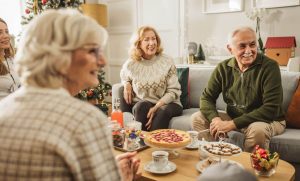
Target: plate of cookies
221,149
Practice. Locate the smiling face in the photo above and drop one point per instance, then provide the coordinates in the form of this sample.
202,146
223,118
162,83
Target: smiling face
148,44
83,71
244,48
4,37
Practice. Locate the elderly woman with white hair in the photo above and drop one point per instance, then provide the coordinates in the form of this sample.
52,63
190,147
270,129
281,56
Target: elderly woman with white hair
45,132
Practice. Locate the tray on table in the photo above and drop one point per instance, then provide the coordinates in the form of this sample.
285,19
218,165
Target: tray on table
141,146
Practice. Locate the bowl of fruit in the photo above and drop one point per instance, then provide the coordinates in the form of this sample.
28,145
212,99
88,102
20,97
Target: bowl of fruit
263,162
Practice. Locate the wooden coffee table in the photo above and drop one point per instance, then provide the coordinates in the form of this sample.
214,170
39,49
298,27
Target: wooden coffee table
186,166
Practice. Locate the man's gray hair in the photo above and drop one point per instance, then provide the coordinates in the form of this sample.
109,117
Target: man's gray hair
45,50
226,171
237,30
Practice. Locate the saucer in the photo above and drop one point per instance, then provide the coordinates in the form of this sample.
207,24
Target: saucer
149,167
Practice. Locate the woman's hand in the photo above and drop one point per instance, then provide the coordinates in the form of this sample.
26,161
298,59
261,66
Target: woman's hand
128,165
152,112
150,116
127,93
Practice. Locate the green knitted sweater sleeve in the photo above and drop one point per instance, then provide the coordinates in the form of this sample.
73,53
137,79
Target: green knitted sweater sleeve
210,95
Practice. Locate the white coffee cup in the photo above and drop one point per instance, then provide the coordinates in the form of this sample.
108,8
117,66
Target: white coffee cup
160,159
194,137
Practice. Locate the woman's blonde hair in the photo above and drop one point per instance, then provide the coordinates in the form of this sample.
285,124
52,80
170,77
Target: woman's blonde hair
135,51
45,50
8,53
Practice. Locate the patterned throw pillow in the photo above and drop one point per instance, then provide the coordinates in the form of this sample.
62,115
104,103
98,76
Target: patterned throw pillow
183,78
292,114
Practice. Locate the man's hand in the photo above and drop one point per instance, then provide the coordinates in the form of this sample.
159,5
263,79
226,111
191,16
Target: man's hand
127,93
128,165
217,125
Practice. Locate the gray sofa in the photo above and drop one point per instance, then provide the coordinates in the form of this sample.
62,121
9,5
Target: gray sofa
287,144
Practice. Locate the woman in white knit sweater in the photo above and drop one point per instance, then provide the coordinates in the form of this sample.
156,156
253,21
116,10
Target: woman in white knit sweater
151,88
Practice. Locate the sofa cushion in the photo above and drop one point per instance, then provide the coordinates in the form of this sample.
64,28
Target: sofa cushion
183,78
287,145
292,115
184,121
198,81
289,82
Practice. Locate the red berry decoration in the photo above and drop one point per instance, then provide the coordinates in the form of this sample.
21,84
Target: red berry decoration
44,2
90,93
27,11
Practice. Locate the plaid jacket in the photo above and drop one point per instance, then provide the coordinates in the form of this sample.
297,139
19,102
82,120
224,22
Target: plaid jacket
47,134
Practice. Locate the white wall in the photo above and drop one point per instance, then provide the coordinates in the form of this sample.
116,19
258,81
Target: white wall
167,22
122,21
10,11
211,29
125,16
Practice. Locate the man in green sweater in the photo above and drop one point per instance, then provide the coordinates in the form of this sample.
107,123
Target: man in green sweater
251,87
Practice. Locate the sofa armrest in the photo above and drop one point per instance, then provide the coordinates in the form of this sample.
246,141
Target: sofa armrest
117,92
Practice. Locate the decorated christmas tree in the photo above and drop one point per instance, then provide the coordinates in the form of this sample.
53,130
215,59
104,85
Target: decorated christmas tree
99,92
96,95
34,7
200,55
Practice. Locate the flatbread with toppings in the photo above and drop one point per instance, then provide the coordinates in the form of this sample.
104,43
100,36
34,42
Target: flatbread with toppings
168,138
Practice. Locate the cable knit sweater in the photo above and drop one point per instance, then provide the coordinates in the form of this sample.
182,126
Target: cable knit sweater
153,79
